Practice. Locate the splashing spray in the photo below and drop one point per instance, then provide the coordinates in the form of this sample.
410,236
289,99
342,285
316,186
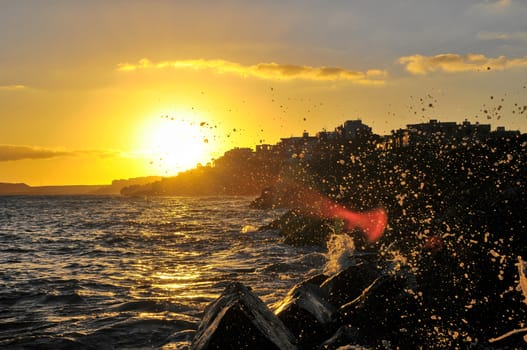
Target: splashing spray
340,252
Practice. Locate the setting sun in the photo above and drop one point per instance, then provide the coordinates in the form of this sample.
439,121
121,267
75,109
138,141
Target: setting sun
176,143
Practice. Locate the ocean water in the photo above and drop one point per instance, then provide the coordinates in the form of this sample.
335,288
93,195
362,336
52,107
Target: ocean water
88,272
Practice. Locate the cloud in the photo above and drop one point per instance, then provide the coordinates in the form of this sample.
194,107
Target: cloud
500,3
23,152
268,71
13,87
102,153
454,63
12,152
493,6
515,36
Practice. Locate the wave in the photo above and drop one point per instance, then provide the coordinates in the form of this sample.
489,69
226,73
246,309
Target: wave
304,262
99,273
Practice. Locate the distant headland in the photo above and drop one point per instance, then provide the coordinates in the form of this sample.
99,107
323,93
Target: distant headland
22,189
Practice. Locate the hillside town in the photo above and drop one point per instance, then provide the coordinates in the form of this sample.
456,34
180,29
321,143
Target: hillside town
355,132
244,171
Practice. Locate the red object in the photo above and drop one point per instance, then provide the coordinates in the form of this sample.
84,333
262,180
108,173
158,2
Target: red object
372,223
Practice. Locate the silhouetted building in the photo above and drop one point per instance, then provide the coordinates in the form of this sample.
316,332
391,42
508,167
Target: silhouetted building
297,147
435,131
264,148
433,127
501,133
398,139
354,129
479,131
443,132
450,130
326,135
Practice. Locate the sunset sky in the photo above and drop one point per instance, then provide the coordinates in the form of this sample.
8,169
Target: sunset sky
92,91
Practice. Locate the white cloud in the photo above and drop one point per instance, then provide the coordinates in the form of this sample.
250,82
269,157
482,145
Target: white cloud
270,71
493,5
514,36
453,63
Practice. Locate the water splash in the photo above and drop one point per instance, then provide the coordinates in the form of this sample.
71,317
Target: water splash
371,223
522,271
340,252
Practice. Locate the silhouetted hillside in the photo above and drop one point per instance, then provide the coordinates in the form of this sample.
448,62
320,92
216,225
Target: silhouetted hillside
117,185
337,163
239,172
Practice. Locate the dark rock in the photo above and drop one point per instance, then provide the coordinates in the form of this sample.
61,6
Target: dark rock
300,229
240,320
306,313
386,311
345,335
316,280
265,201
348,284
280,195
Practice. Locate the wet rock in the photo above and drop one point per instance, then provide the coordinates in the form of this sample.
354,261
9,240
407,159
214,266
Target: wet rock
306,312
349,283
300,229
266,200
345,335
317,280
385,312
314,232
280,195
240,320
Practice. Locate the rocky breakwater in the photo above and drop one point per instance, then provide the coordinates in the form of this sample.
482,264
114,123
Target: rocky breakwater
367,304
431,298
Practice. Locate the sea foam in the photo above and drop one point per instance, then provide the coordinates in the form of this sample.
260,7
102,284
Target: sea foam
340,252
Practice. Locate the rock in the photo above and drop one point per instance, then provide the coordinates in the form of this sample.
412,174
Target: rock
300,229
265,201
280,195
316,280
345,335
349,283
386,311
306,313
314,232
240,320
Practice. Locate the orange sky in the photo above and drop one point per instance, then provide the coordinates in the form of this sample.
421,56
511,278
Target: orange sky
94,91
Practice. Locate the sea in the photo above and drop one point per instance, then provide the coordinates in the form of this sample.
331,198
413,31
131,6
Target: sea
111,272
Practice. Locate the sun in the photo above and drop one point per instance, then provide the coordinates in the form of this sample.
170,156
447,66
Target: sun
172,144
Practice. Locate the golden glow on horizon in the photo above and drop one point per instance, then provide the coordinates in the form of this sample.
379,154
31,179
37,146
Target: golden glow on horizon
176,143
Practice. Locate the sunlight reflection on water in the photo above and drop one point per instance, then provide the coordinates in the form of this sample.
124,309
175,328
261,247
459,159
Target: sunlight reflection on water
82,268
